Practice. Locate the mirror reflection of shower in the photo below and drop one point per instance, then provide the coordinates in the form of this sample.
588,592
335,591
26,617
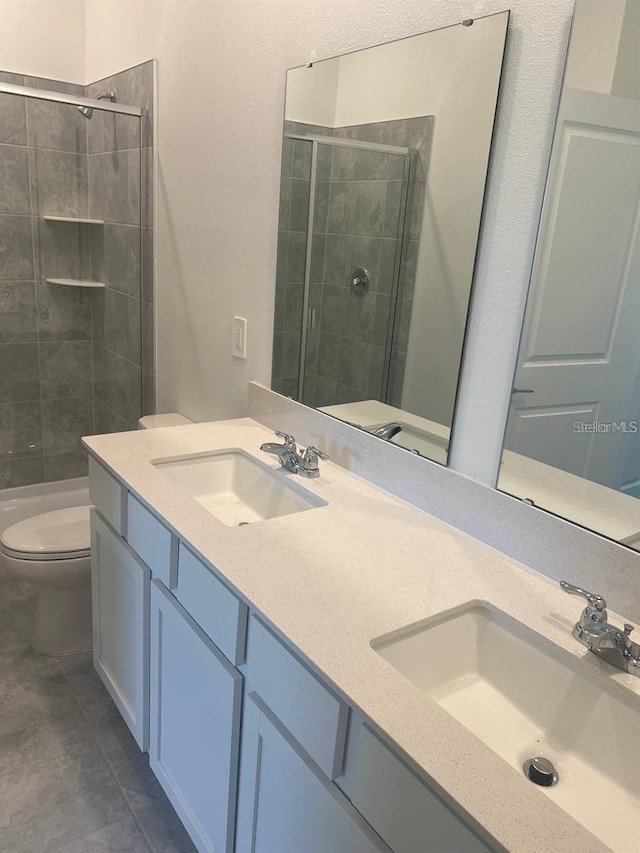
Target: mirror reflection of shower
87,112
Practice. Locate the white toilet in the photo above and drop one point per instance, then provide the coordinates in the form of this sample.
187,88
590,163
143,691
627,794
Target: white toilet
53,551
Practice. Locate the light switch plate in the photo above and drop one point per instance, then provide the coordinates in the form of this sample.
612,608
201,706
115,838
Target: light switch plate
239,337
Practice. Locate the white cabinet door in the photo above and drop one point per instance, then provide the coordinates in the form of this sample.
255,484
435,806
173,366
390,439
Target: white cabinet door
196,700
286,805
120,598
120,593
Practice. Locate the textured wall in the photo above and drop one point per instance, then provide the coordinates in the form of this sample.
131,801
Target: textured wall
221,92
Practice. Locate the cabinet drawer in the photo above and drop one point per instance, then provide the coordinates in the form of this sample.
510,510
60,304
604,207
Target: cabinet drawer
108,495
151,540
401,808
215,608
316,718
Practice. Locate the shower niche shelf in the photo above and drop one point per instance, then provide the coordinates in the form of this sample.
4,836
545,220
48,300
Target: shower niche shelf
75,282
76,220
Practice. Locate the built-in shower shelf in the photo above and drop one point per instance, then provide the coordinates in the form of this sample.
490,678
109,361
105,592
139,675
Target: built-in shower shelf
75,282
78,220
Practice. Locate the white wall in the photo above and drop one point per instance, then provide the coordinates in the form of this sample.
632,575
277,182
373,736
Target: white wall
43,38
222,70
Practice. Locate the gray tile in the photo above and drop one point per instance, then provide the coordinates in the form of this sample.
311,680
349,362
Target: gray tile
111,321
63,313
66,369
54,85
408,267
302,158
63,250
334,306
376,371
371,165
13,124
418,200
353,369
17,311
392,208
59,183
326,392
107,421
321,212
328,356
122,186
16,248
341,203
311,356
147,187
336,259
381,320
164,830
21,472
117,384
323,169
122,258
365,252
296,257
396,167
123,836
343,164
20,429
147,271
293,309
299,214
290,355
14,180
396,379
83,679
282,256
289,387
359,316
387,265
9,77
11,590
96,185
284,213
318,248
16,621
64,422
58,126
279,308
276,356
368,207
58,821
287,157
65,466
33,692
135,331
403,323
344,394
19,372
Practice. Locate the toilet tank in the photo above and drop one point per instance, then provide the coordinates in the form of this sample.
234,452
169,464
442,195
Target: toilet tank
167,420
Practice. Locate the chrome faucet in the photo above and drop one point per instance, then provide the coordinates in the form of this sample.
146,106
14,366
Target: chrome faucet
304,463
595,632
387,431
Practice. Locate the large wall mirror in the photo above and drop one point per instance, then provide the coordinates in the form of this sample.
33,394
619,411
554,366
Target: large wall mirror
385,158
572,444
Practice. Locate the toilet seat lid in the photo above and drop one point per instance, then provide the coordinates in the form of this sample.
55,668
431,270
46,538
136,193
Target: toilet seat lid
61,533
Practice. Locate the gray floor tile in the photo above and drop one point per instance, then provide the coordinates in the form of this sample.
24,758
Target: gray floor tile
163,829
123,836
83,679
11,590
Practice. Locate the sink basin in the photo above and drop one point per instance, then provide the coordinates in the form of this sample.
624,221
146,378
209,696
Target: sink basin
503,684
236,488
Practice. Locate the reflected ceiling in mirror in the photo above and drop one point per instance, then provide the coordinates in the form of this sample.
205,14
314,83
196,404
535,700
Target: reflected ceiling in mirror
384,166
572,444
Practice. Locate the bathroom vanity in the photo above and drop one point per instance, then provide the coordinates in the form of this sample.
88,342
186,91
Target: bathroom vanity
277,670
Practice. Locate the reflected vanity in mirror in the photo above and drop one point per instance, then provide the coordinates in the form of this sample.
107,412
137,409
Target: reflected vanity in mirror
572,444
385,157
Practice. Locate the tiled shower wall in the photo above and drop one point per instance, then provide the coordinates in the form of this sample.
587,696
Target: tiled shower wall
52,390
357,207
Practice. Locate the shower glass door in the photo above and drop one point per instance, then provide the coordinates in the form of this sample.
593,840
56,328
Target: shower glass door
70,318
341,314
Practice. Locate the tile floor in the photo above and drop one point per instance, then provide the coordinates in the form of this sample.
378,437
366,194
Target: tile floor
72,778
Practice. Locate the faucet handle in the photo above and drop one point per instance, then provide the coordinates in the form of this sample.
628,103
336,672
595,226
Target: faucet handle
596,602
312,451
289,440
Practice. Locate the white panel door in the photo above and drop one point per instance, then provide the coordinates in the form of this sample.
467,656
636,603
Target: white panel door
196,702
580,353
120,593
286,805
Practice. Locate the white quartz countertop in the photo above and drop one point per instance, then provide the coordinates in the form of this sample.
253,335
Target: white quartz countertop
367,564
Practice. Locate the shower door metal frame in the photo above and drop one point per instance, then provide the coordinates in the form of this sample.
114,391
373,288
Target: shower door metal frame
74,100
409,154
